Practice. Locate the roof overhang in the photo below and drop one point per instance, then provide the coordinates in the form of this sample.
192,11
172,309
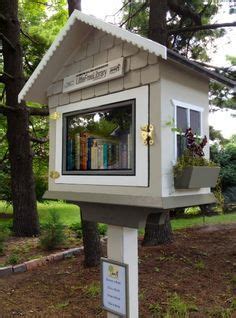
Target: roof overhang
177,58
73,34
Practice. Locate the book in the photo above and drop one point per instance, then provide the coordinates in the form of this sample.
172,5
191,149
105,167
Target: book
83,151
89,146
94,156
129,150
70,155
123,156
105,156
77,151
100,157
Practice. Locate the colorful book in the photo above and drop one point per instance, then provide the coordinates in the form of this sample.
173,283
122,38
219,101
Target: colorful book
129,150
123,156
77,151
83,151
70,155
89,146
105,156
94,156
100,157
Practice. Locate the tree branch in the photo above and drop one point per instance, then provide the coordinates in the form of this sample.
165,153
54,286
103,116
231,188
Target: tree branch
5,39
5,75
39,140
184,10
38,111
29,37
3,18
135,13
202,27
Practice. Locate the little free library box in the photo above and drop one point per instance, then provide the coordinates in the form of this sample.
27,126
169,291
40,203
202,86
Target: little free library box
111,94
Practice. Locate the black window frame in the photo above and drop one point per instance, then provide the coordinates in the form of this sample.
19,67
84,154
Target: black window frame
99,172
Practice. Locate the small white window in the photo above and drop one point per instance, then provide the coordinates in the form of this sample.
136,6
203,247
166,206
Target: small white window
186,116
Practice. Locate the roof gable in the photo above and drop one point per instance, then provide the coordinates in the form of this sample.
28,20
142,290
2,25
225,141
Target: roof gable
77,28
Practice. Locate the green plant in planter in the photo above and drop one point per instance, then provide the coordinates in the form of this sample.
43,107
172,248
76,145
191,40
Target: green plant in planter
186,176
193,155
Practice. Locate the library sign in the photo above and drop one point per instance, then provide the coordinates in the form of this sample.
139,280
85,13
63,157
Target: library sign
101,73
114,287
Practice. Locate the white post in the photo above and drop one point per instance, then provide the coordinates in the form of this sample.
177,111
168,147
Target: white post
122,246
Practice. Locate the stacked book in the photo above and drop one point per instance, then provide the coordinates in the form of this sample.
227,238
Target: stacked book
90,152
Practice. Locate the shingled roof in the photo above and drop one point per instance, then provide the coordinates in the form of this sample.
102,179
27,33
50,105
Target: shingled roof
77,28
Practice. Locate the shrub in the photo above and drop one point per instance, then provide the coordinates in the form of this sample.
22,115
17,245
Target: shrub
4,233
13,259
52,232
102,228
77,228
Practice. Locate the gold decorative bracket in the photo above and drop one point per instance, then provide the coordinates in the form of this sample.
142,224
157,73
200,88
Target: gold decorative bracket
54,175
147,134
55,116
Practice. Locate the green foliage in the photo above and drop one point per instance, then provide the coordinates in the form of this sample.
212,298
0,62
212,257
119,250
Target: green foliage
178,308
77,228
189,44
13,259
156,310
188,160
93,289
200,265
52,232
226,158
4,234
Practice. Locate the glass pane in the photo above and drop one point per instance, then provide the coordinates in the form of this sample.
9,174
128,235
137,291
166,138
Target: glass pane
181,145
195,121
100,140
182,121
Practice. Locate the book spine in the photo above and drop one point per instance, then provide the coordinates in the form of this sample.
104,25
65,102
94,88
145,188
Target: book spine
100,157
109,156
129,150
89,146
117,157
124,156
77,151
105,155
83,158
70,161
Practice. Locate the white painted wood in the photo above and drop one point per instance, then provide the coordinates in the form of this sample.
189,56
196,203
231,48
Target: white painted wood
141,177
189,107
78,20
122,246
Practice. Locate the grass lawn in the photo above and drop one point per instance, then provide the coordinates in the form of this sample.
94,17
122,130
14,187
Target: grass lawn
70,214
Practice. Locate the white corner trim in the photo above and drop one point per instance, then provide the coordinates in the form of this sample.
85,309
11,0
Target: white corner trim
141,42
179,103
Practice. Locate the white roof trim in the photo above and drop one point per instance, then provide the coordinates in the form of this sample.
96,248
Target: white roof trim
139,41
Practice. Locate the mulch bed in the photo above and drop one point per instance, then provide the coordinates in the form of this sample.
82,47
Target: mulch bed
200,266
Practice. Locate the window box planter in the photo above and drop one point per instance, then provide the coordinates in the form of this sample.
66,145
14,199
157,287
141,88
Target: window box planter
197,177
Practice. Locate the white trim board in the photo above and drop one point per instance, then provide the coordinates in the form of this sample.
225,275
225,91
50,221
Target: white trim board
141,156
70,37
187,106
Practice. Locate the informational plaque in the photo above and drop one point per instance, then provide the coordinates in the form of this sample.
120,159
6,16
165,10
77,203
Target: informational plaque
114,287
101,73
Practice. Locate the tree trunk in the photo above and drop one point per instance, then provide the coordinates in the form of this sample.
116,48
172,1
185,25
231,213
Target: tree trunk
157,21
25,222
91,241
74,5
154,232
157,234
